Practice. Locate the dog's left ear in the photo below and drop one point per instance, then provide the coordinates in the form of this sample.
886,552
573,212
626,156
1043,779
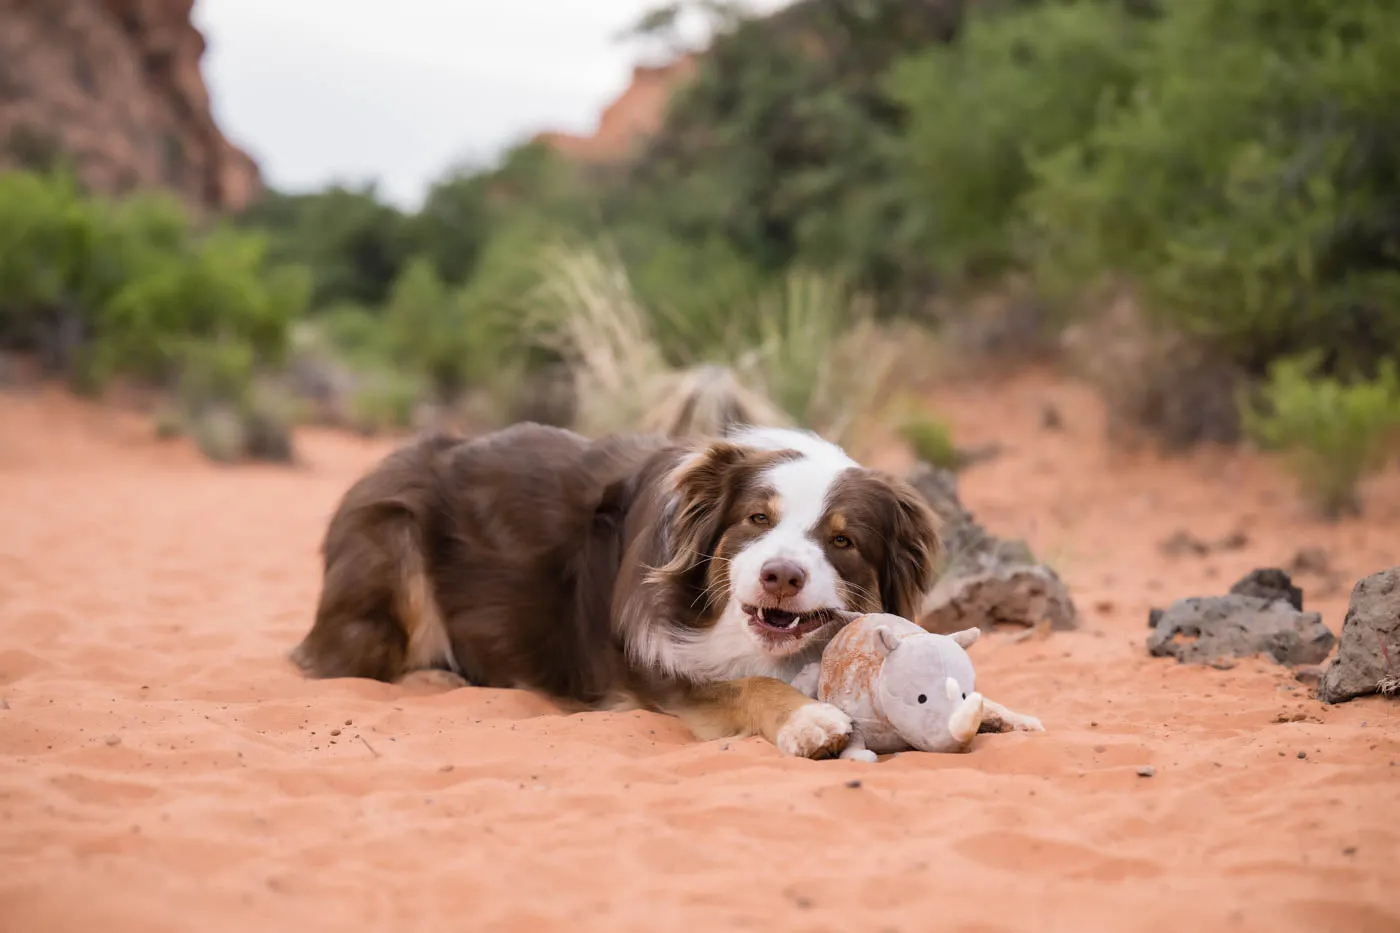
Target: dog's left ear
915,548
702,485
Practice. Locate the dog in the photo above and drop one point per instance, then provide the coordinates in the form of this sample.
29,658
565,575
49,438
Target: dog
692,577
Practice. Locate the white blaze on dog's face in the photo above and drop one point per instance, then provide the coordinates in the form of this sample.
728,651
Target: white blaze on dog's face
794,534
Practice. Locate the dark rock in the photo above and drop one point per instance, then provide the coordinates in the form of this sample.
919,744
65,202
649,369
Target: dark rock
986,581
1270,583
1205,629
1310,674
1368,657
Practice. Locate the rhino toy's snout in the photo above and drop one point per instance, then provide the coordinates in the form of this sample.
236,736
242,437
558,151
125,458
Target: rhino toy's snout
966,719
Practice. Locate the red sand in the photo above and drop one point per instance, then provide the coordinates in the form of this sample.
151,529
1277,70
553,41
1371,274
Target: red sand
162,767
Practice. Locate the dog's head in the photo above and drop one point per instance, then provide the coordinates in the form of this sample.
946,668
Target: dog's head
779,534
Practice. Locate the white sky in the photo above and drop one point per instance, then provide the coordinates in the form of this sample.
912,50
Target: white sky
400,90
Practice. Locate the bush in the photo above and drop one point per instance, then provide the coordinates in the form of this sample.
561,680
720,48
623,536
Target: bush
385,401
1247,185
1332,433
931,441
1018,86
104,289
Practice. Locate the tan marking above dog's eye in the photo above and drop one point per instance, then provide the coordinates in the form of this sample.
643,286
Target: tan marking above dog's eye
758,518
841,541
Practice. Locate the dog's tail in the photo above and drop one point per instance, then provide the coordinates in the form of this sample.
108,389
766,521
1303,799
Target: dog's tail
710,401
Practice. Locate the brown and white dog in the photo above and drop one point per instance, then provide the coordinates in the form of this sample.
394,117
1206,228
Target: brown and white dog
693,578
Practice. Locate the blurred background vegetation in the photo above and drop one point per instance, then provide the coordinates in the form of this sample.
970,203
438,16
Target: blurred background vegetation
1194,203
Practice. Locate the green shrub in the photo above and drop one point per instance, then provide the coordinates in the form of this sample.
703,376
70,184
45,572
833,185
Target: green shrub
1248,185
931,441
1332,433
1016,87
385,401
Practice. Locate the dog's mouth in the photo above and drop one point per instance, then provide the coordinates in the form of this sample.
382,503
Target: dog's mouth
779,624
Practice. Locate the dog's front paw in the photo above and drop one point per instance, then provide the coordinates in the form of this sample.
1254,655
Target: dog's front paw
815,730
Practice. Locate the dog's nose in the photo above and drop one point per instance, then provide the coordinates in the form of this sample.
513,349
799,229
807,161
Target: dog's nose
782,578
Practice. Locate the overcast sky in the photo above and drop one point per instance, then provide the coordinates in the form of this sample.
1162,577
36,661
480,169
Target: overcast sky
399,90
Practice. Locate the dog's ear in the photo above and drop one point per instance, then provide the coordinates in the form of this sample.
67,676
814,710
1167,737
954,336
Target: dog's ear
913,531
703,485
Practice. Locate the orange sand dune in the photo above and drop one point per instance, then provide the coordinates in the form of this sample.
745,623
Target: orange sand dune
163,768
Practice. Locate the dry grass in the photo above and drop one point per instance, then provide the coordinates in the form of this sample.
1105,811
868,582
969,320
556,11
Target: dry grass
814,356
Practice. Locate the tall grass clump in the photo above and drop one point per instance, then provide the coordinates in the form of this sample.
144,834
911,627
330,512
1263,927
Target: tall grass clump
803,352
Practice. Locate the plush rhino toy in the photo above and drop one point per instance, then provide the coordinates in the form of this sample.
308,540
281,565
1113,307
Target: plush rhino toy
905,688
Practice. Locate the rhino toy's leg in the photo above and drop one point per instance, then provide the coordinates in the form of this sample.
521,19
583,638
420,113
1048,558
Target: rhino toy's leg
997,718
855,750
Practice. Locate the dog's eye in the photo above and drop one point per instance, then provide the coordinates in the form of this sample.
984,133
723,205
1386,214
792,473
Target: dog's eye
923,698
841,541
964,696
758,518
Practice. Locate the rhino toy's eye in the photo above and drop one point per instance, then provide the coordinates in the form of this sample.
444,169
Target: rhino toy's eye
964,696
923,698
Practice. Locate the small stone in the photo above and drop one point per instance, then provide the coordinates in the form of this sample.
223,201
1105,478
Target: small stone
349,722
1310,674
1302,754
113,740
1234,541
445,768
335,732
853,784
1146,771
1349,850
1269,583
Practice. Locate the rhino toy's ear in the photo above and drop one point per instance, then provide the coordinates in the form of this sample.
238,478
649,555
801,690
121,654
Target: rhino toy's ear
967,637
887,638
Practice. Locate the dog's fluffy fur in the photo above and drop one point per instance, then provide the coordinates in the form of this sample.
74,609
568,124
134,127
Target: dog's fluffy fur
628,571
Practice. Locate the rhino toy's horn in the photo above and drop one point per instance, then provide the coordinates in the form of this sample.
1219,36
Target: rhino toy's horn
966,719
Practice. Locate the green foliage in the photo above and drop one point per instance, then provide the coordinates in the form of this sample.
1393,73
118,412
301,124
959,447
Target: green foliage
353,243
385,401
1332,433
1015,88
1248,184
931,441
785,144
101,289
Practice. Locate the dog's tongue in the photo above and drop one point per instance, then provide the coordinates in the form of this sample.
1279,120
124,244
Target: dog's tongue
778,618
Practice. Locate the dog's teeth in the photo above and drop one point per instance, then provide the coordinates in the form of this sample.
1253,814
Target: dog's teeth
795,620
761,618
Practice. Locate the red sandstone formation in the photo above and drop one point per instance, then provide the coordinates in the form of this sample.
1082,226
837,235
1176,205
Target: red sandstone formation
634,115
116,86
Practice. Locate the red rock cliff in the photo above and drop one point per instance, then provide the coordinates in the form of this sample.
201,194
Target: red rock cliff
116,85
634,115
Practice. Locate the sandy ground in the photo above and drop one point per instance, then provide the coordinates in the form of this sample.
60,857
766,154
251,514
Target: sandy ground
163,768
